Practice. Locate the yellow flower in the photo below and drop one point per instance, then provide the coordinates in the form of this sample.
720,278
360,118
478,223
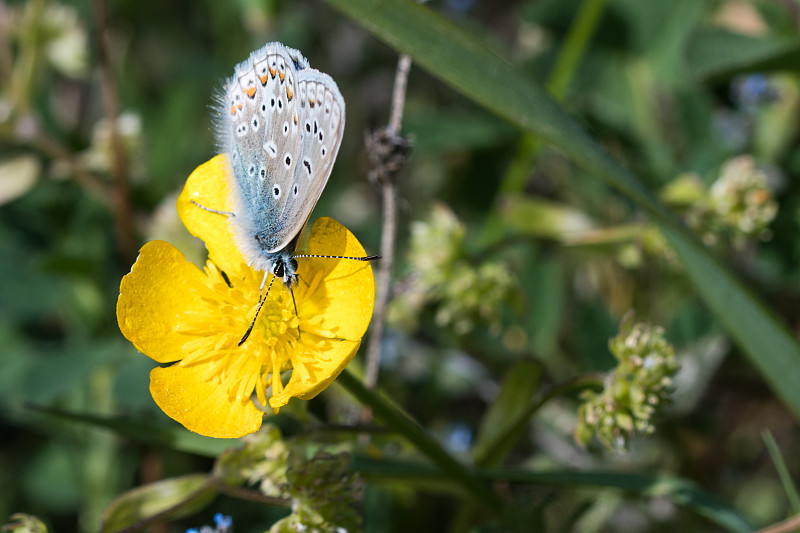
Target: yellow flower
191,320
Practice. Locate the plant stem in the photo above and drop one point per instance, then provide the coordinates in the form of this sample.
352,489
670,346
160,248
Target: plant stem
789,488
571,52
401,422
126,243
492,457
389,231
251,495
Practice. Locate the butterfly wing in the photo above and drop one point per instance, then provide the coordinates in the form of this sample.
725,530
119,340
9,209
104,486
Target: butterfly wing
282,126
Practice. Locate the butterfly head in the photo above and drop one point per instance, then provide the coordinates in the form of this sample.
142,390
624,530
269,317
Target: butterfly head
284,267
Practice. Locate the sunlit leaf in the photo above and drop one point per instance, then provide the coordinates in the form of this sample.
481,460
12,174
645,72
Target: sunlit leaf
164,500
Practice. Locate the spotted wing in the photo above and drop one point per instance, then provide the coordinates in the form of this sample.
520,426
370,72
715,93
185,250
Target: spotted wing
284,131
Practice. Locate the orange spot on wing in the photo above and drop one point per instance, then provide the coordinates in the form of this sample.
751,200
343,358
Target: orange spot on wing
272,71
250,91
264,79
239,106
282,75
289,94
233,110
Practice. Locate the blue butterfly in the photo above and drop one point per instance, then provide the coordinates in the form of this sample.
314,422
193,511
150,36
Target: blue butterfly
281,122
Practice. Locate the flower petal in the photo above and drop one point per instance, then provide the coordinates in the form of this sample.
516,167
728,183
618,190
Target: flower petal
327,367
201,405
344,300
153,298
209,187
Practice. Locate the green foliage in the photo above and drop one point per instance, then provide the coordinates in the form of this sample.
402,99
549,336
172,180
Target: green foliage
164,500
465,290
572,161
634,392
322,493
24,523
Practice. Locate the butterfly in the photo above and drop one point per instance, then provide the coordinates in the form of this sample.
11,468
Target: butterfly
281,123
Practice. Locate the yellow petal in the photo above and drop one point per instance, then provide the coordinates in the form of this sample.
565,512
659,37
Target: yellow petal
153,298
202,406
209,186
345,298
327,367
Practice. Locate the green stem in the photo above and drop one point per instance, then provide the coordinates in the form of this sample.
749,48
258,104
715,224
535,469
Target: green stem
492,455
400,421
784,475
569,57
571,53
25,67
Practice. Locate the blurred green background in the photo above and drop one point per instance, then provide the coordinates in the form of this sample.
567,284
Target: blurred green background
674,89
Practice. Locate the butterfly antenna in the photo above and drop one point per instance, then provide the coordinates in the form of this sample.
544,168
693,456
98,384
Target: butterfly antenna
261,300
367,258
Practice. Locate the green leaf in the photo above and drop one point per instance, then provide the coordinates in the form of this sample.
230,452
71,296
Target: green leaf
435,133
719,54
470,67
24,523
519,386
157,502
176,437
678,490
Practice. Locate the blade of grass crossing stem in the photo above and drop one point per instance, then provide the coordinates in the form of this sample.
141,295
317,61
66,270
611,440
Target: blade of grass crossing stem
401,422
785,476
569,57
469,66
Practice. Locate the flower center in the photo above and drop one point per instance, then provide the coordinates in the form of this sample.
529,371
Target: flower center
225,308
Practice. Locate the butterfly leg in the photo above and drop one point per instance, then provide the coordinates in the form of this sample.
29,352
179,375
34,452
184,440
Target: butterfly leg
210,210
295,312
